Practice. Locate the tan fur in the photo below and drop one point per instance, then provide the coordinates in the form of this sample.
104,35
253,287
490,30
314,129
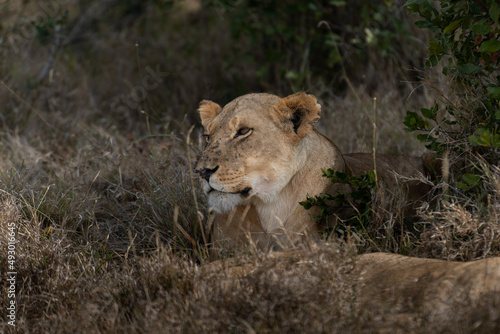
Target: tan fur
208,110
263,156
397,286
397,282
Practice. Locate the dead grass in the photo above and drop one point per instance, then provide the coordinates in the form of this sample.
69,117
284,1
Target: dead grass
108,234
72,288
463,230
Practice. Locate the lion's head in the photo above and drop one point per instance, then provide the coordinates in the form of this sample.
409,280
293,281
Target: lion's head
253,146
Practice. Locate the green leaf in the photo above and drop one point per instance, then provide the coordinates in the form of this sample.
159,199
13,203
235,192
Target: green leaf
471,180
468,69
490,46
425,112
435,48
494,92
425,138
414,2
481,28
306,204
482,138
452,26
410,119
429,113
433,61
496,141
436,146
446,9
425,24
414,122
494,11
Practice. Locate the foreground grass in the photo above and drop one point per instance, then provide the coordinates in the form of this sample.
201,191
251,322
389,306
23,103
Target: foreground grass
64,287
110,236
117,247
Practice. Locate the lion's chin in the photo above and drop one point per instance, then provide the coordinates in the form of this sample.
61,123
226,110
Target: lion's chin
224,202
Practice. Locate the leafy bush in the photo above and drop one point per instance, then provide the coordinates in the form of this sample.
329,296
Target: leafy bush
359,199
466,122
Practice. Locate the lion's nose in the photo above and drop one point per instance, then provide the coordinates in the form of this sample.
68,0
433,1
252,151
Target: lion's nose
206,172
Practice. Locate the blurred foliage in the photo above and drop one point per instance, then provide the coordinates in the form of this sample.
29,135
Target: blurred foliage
217,49
298,43
466,44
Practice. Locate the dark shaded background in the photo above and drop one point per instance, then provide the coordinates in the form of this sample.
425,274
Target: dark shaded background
76,58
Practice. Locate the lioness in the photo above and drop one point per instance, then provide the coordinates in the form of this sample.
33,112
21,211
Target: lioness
398,290
263,156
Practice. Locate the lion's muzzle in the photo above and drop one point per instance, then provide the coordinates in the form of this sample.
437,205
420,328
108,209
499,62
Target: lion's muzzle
205,173
212,184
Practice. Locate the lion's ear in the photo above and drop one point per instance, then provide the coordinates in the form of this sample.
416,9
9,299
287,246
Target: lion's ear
208,110
302,110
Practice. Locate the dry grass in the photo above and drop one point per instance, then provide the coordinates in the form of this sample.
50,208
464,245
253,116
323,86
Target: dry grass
454,231
73,288
108,234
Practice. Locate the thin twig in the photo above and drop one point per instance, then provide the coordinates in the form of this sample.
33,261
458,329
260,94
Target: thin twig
374,140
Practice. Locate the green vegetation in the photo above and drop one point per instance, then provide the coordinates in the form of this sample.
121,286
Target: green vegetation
465,123
360,198
298,43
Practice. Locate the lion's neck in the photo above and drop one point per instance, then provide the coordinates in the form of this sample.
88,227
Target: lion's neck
313,154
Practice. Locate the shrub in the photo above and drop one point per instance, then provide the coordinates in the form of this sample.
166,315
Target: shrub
360,199
465,122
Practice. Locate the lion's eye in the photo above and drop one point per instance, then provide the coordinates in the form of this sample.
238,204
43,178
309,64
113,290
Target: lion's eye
242,131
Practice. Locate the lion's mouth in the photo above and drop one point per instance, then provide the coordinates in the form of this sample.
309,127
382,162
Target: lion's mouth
244,193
